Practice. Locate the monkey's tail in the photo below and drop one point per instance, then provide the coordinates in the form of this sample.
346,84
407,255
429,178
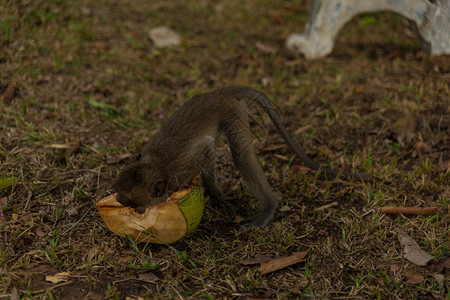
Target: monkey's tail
262,100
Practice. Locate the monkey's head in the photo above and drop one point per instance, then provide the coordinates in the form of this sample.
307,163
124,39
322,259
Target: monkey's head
139,185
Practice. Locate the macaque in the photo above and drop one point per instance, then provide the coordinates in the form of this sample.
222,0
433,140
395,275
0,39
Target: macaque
185,147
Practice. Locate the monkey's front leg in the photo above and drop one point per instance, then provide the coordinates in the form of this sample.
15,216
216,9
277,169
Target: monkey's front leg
208,162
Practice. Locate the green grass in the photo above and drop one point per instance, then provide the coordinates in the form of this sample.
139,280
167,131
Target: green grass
86,72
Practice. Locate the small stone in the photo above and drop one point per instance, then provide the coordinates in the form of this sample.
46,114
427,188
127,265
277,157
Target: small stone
164,37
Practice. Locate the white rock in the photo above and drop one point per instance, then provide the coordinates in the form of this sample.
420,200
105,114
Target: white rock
164,37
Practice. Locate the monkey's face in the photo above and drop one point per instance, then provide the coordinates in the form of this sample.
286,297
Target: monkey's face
139,186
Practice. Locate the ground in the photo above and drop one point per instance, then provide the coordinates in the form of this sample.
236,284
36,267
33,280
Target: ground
83,88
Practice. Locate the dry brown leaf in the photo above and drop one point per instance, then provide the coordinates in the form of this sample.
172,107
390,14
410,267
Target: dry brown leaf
439,278
14,294
111,160
301,168
123,259
440,265
148,277
59,277
238,219
359,88
92,253
280,263
394,267
264,48
413,252
285,208
253,261
413,278
73,211
8,94
40,233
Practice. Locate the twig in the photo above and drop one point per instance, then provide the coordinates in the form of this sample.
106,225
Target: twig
327,206
413,211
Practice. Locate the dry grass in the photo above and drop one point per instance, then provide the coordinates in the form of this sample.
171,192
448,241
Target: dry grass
82,86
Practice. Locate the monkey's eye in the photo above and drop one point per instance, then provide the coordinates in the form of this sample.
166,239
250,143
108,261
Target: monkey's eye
158,189
135,176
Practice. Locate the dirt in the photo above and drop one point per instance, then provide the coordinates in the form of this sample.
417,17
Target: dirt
82,88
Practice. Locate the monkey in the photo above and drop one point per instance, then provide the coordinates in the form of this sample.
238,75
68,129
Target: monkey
185,147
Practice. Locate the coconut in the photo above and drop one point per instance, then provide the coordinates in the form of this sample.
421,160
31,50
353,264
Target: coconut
164,223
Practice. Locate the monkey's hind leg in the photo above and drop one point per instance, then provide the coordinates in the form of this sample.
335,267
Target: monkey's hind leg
244,156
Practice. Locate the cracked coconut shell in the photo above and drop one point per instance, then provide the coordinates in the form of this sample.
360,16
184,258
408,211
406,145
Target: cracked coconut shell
166,222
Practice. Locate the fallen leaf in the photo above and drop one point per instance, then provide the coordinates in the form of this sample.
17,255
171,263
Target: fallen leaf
297,218
359,88
285,208
123,260
394,267
238,219
14,294
440,265
92,253
281,263
264,48
301,168
439,278
114,159
8,94
7,182
40,233
73,211
57,278
413,252
299,285
148,277
413,278
164,37
253,261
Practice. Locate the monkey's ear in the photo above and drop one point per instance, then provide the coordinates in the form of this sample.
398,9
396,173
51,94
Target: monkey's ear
159,189
138,157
